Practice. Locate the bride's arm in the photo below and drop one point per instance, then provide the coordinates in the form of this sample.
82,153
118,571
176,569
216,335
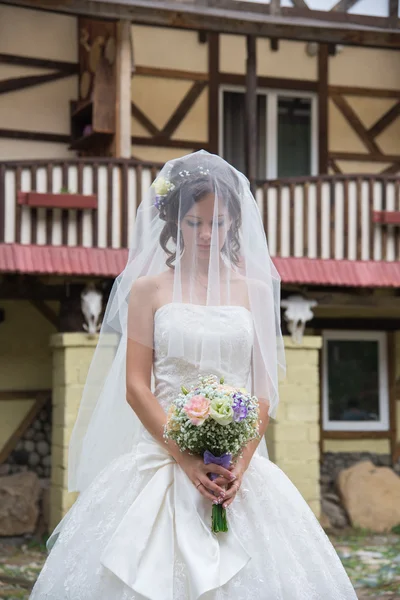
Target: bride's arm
139,360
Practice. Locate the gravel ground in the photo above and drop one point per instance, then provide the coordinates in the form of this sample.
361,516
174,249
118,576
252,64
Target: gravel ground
372,562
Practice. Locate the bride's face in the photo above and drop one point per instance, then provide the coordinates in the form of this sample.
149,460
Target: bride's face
198,223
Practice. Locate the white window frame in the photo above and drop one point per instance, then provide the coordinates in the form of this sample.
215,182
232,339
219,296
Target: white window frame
383,423
272,124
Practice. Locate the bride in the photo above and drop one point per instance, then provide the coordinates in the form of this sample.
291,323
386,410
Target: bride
199,295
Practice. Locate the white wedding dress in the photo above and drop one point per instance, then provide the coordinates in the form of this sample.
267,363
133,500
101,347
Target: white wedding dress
142,530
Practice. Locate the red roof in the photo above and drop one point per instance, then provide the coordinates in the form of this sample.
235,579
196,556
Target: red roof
61,260
354,273
109,262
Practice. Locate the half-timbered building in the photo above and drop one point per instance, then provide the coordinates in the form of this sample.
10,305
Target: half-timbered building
303,96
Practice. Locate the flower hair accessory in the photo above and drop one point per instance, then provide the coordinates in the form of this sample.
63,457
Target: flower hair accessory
163,186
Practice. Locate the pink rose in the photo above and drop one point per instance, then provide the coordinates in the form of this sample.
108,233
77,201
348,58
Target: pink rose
197,409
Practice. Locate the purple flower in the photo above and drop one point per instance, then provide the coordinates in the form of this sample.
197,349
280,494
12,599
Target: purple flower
240,409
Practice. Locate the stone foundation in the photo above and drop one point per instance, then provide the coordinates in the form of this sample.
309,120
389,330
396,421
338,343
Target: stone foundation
33,451
331,465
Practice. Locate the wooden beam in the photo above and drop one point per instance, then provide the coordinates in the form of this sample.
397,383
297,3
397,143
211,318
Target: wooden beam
384,121
323,134
251,111
300,4
163,142
21,83
123,90
170,73
231,16
393,12
347,90
359,157
343,300
281,83
36,136
355,123
275,7
11,395
344,5
46,311
335,167
144,120
13,440
42,63
213,92
392,169
184,107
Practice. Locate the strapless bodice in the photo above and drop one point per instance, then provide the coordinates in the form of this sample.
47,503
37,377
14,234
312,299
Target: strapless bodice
232,326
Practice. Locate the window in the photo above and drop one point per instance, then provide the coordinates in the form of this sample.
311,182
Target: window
355,381
286,133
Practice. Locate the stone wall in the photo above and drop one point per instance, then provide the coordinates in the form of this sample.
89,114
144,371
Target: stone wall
33,450
293,438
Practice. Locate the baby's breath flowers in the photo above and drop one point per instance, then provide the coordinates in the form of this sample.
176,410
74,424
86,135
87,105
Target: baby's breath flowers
214,420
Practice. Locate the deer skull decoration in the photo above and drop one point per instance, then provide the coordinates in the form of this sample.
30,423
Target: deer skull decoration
298,312
91,306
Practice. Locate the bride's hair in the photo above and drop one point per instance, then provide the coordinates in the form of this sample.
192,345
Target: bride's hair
191,186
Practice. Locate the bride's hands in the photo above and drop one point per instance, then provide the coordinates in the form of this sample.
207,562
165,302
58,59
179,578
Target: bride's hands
196,470
238,470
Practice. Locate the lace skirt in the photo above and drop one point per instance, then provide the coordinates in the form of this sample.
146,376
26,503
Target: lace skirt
291,556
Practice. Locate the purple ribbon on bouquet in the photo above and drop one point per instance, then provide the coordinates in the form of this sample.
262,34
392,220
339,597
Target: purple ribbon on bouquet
223,461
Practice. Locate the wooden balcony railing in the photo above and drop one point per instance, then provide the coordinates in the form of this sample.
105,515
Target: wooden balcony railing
329,217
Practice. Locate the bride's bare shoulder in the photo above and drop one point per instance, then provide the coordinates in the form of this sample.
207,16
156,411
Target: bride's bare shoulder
149,287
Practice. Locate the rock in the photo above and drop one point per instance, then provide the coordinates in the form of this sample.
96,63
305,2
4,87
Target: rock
47,427
4,470
43,415
331,497
29,445
37,425
46,461
19,498
335,513
34,459
39,435
46,485
371,496
43,448
324,521
29,433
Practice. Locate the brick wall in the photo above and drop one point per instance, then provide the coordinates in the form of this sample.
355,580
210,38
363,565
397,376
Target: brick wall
293,438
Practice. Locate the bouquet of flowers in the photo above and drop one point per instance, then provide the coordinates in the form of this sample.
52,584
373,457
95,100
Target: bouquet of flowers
216,421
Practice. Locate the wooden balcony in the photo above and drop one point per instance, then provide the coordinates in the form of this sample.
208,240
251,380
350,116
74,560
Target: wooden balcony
339,217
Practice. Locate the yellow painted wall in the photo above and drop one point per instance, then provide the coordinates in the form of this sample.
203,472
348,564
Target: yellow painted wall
369,68
293,438
290,61
12,412
367,445
72,354
168,48
157,97
365,67
44,108
25,359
